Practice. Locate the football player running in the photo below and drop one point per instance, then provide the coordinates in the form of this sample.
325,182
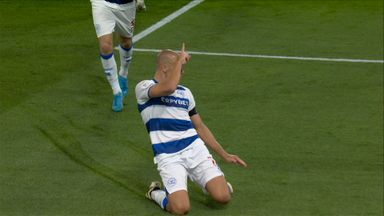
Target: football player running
109,16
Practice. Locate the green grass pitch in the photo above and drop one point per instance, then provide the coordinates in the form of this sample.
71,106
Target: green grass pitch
311,132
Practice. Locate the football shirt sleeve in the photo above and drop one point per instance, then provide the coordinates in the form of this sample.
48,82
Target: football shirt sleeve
142,90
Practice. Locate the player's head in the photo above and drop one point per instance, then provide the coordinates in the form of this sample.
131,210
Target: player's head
166,60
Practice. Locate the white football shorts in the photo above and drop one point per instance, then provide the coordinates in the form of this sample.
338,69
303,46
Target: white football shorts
108,17
193,162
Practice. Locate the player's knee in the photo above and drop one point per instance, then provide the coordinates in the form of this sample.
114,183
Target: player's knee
223,198
178,202
180,209
126,43
105,48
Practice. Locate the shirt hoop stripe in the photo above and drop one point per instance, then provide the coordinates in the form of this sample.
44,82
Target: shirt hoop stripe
157,124
173,146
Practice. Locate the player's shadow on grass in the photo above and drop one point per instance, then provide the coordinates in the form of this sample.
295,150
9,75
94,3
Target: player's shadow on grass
74,151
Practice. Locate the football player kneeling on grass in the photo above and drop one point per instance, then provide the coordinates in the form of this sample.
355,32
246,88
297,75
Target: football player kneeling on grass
179,138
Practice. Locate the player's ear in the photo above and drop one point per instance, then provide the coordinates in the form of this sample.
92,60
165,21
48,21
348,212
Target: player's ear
164,68
167,67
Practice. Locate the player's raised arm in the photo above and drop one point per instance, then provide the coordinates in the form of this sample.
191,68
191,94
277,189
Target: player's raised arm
206,135
168,71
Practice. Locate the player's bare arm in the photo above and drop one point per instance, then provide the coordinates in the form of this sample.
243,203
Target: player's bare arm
168,72
206,135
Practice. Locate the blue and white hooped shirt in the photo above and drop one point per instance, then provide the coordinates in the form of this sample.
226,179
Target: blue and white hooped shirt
167,118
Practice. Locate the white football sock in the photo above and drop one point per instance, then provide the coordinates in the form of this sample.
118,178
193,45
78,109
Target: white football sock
160,197
125,60
110,70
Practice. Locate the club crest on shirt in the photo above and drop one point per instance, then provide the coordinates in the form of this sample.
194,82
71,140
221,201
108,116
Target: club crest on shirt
180,92
171,182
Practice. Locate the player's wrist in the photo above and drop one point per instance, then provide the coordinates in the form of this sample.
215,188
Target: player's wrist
224,155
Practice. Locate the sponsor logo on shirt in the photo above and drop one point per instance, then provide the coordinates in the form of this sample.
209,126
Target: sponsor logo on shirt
175,101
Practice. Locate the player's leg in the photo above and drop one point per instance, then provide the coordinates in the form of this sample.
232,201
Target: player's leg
175,203
208,175
110,70
174,177
174,197
125,51
125,22
219,189
157,194
178,202
104,24
212,181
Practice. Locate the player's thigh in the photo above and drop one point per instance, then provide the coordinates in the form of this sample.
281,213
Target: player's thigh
103,18
173,175
208,175
178,202
218,189
206,168
125,21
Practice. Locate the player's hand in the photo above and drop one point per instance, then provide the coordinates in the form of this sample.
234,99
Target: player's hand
184,56
234,159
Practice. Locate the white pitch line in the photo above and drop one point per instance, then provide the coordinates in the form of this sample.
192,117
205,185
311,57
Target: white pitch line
193,3
272,56
165,20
